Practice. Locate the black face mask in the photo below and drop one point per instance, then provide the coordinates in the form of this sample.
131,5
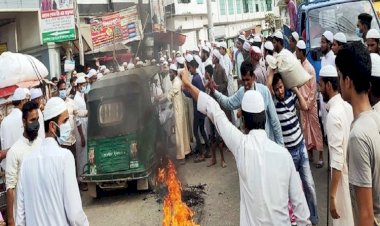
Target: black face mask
32,130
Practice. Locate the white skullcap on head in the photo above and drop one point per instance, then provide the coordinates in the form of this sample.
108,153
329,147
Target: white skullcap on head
125,64
329,36
180,60
103,67
268,45
246,46
54,107
19,94
223,45
242,37
140,63
91,73
375,60
173,67
328,71
162,59
295,36
205,48
278,34
252,102
170,60
173,51
137,58
373,33
81,79
153,60
178,52
340,37
256,49
216,54
130,66
250,40
35,93
165,63
256,38
189,58
301,44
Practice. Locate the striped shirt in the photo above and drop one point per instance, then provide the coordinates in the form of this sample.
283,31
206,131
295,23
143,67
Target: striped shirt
286,112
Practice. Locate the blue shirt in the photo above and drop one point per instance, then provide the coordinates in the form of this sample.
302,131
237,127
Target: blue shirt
197,82
272,125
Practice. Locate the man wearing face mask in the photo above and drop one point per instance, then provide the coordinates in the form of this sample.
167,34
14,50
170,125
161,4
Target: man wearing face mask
364,24
12,127
73,113
81,132
28,142
38,98
47,191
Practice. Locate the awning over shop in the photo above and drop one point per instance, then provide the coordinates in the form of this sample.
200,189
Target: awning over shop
169,37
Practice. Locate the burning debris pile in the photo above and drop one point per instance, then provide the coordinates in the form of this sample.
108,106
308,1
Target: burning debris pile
176,211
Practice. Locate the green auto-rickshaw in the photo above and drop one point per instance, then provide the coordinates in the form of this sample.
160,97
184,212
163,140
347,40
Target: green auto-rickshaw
124,133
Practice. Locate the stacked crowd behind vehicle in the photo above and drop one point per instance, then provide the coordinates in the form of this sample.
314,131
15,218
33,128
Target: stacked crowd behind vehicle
243,81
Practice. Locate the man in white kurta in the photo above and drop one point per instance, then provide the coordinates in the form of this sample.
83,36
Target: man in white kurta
47,192
180,125
267,176
12,127
338,122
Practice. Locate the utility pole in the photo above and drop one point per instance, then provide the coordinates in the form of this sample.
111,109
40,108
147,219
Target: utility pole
77,22
210,22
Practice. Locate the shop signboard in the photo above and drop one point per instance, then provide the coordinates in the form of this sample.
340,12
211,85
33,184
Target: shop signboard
57,20
123,26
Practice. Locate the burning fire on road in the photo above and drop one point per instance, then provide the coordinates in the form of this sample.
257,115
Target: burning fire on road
176,212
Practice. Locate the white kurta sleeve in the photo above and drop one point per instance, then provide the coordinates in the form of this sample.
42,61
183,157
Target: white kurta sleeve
20,217
230,134
335,136
72,201
297,197
11,169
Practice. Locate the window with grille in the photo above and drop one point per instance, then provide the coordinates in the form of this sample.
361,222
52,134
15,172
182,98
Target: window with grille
222,6
231,7
245,6
238,6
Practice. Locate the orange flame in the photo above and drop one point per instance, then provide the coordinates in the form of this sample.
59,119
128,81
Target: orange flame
176,212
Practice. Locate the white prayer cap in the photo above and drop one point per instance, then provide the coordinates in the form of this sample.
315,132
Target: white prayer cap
250,40
125,64
140,63
329,36
205,48
35,93
328,71
340,37
216,54
162,59
91,73
137,58
189,58
54,107
173,51
81,79
130,66
252,102
278,34
268,45
256,38
178,52
301,44
180,60
246,46
242,37
223,45
153,61
19,94
256,50
373,33
295,36
173,67
375,59
103,67
165,63
170,60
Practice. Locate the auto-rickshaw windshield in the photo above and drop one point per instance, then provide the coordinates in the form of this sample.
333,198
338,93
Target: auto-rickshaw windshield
340,17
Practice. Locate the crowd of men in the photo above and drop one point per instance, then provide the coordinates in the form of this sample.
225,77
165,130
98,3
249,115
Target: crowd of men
228,99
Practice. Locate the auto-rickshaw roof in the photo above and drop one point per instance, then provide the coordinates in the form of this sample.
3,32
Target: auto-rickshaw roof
317,4
105,85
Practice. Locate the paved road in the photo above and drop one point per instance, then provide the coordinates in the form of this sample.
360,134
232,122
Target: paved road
129,207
